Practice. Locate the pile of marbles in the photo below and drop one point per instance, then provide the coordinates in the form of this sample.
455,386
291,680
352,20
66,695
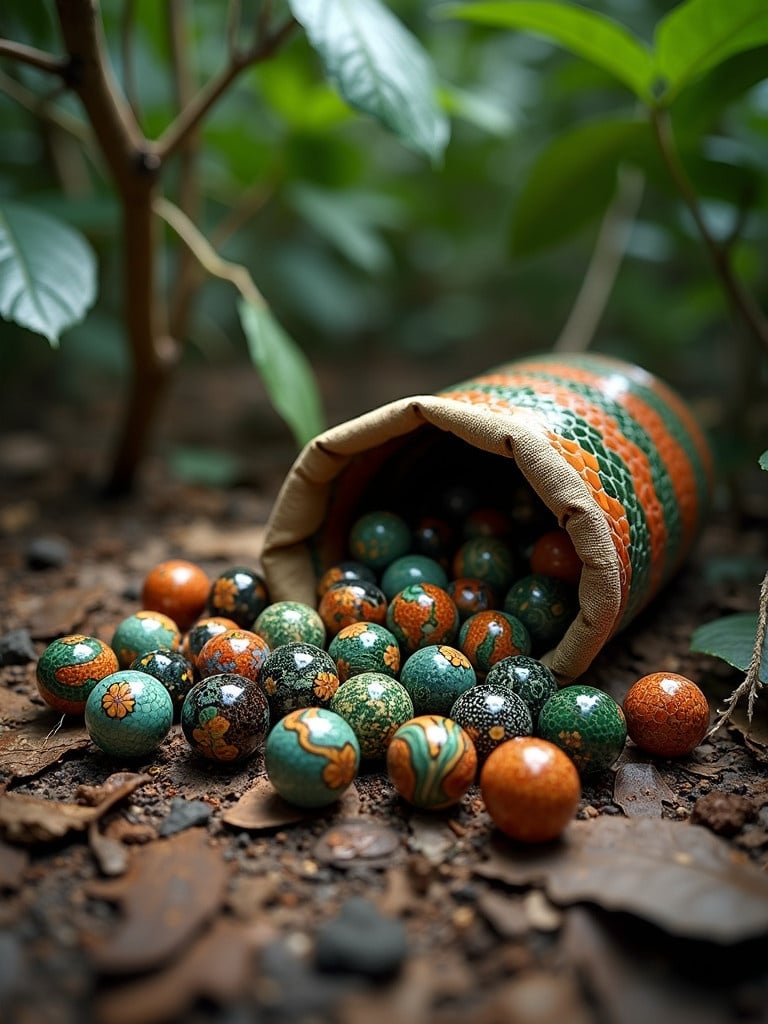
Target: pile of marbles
425,662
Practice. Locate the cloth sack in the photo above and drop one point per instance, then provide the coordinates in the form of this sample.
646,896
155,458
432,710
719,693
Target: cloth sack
613,452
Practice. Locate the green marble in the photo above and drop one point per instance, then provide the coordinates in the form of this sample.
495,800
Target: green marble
435,676
172,669
546,607
226,717
375,706
69,668
142,632
378,538
491,714
412,569
298,675
128,714
365,647
311,757
288,622
587,724
528,677
488,559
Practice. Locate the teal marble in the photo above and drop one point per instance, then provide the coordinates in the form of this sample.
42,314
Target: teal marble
128,714
545,605
298,675
435,676
378,538
375,706
528,677
409,569
491,714
226,717
142,632
488,559
587,724
172,669
365,647
311,757
288,622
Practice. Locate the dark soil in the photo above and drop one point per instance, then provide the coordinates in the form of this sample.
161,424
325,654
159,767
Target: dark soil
170,907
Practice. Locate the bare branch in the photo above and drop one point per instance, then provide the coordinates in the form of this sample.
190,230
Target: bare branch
35,58
191,116
41,107
126,53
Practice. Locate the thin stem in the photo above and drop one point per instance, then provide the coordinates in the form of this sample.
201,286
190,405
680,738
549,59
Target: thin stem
41,107
234,14
190,117
206,255
126,53
740,299
607,255
188,197
35,58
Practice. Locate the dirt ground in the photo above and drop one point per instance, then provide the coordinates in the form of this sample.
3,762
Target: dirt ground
173,890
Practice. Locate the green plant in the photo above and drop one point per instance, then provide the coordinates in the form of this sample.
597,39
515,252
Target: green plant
47,270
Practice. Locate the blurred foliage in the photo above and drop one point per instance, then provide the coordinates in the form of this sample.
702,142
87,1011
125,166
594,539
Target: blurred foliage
363,245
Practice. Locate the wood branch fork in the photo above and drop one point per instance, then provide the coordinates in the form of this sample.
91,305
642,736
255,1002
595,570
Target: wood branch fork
135,164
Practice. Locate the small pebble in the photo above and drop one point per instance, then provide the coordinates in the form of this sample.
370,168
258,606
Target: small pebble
16,648
47,553
184,814
359,940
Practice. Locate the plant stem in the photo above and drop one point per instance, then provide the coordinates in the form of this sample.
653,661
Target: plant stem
35,58
46,111
607,256
188,198
741,300
191,116
126,54
134,169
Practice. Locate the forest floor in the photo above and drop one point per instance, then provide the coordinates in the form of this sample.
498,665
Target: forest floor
173,890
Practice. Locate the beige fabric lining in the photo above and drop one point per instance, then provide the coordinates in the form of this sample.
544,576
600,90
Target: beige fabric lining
300,510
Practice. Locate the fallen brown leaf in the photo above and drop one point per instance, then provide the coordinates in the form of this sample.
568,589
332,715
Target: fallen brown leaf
678,876
640,791
260,808
28,748
13,864
33,819
173,887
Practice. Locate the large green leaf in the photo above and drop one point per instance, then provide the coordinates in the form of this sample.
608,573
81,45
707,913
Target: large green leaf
47,272
732,639
286,373
582,32
378,66
572,181
698,35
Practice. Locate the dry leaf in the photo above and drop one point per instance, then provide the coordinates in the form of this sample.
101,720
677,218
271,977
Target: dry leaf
432,837
64,611
33,819
172,888
679,876
28,749
640,791
260,808
13,864
358,840
217,967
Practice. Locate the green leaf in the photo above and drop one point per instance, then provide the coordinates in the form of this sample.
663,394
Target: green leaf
572,181
378,67
732,639
284,368
698,35
582,32
763,461
47,272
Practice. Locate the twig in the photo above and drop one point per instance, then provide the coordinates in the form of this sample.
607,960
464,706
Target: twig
751,683
41,107
126,53
188,194
190,117
206,255
740,299
249,203
234,13
607,255
35,58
